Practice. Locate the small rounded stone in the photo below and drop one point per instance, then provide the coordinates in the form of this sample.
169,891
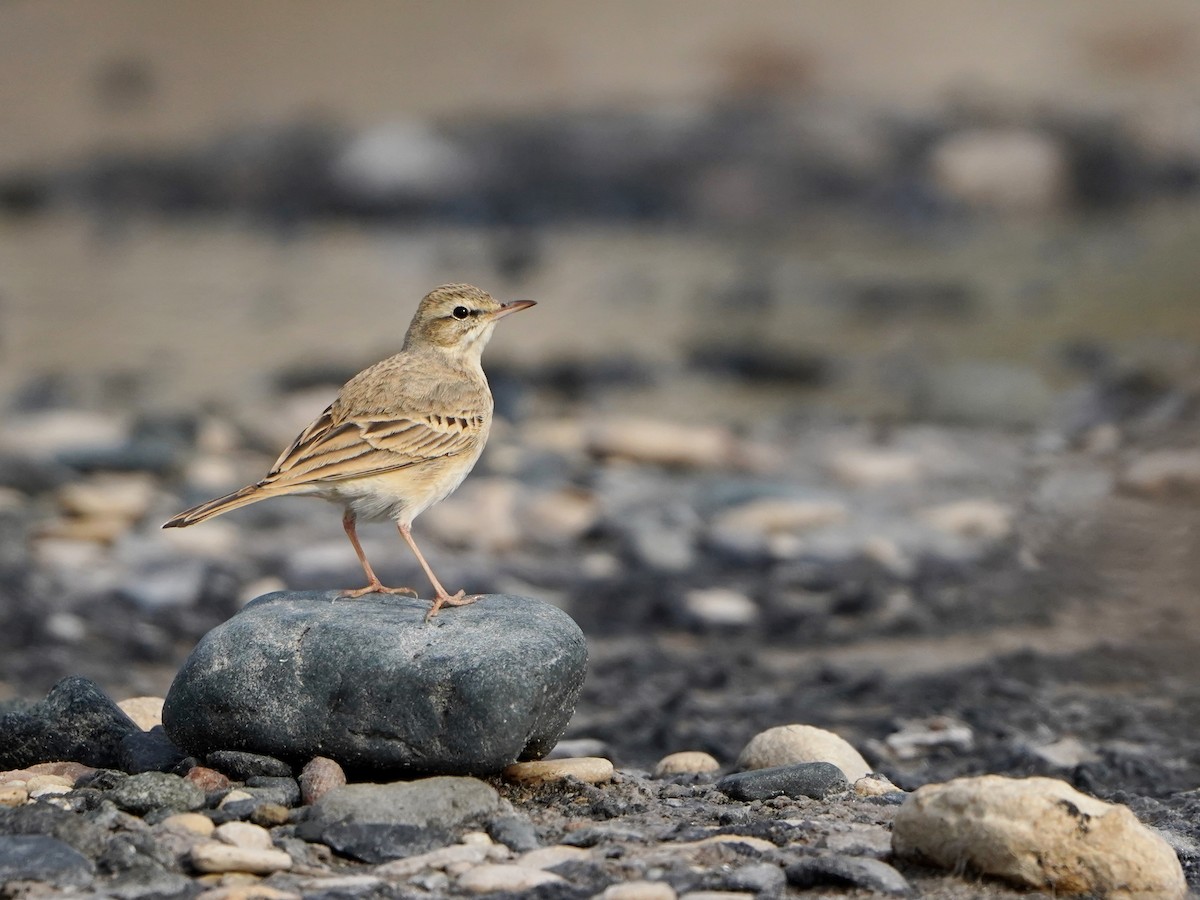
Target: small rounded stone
244,834
787,745
874,785
492,877
320,776
686,762
639,890
213,856
549,857
589,769
13,795
193,822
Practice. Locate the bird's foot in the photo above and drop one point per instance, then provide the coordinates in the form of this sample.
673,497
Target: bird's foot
376,587
459,599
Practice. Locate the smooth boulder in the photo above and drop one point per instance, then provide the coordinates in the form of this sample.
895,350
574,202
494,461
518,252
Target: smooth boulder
369,683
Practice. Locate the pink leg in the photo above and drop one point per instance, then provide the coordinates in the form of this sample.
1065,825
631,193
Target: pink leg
374,585
443,598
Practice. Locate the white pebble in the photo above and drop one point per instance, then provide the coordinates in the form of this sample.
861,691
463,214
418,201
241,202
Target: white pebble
721,607
213,856
686,762
549,857
244,834
493,877
789,744
589,769
639,890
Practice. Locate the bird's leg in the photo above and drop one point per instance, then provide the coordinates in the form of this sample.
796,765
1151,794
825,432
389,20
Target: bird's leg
443,598
374,585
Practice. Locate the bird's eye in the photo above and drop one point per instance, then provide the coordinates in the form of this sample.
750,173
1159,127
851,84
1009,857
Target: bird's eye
460,312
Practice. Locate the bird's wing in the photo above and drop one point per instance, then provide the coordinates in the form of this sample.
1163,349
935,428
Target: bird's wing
333,449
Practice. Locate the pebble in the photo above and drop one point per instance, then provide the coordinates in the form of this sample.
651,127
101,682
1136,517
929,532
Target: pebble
1037,833
863,873
673,444
920,737
403,869
588,769
873,467
39,857
763,879
125,496
639,890
686,762
760,844
241,765
244,834
977,519
1005,168
874,785
789,744
248,892
492,877
1163,474
716,895
514,831
320,776
720,607
139,794
49,434
13,795
549,857
814,779
191,822
209,780
1066,753
214,856
558,518
757,521
146,712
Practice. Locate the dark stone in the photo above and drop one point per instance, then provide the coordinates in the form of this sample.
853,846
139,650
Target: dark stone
39,857
372,685
814,779
271,789
438,804
141,793
766,879
848,871
76,721
514,832
80,831
149,751
372,842
241,766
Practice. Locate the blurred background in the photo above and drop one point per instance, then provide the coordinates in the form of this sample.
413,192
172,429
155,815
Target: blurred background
857,322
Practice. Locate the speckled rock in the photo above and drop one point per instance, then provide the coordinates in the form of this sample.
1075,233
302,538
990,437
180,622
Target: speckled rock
1039,833
77,721
814,779
372,685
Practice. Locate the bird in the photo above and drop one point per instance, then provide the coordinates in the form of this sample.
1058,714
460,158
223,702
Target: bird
399,437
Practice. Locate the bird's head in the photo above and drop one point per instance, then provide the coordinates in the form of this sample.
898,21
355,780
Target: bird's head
458,318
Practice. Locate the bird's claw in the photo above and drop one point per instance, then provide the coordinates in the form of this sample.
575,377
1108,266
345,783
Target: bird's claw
459,599
378,588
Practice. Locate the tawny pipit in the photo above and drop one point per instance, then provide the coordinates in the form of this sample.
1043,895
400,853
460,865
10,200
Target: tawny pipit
400,436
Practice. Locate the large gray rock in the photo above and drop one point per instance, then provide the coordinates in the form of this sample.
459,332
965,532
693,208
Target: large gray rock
369,683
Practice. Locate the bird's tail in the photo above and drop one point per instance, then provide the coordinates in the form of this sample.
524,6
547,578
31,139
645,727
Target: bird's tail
252,493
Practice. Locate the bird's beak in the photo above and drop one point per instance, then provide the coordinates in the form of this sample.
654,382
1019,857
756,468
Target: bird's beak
509,308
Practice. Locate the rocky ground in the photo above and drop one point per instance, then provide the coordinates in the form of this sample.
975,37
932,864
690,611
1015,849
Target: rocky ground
953,601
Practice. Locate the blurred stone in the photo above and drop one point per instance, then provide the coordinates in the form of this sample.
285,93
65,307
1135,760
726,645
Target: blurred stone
76,721
401,162
789,744
558,518
1008,169
493,877
53,433
720,607
41,858
214,856
770,526
1163,474
1039,834
123,495
686,762
1066,753
983,393
481,515
863,873
869,467
920,737
980,519
874,785
663,443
